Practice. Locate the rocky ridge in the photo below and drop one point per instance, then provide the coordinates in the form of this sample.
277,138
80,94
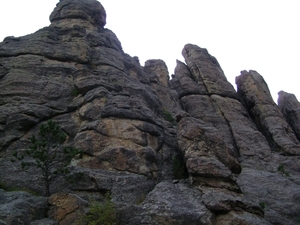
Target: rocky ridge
132,122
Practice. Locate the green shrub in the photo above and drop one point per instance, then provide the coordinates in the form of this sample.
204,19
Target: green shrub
168,116
282,170
100,214
262,205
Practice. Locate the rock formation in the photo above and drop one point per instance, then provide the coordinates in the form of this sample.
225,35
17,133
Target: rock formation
239,152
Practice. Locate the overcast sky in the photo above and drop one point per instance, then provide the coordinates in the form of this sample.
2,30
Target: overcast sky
261,35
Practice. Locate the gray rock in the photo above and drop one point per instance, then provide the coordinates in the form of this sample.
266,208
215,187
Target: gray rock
240,217
170,203
90,11
201,145
269,189
20,207
206,70
221,200
66,208
183,82
238,152
266,114
45,221
290,108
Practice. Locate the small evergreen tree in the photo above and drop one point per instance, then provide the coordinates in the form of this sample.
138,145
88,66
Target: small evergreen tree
48,153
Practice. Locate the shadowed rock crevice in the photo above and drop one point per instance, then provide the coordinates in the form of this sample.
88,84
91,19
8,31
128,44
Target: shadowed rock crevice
236,154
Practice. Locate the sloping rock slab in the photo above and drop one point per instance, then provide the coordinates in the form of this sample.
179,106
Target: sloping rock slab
20,207
170,204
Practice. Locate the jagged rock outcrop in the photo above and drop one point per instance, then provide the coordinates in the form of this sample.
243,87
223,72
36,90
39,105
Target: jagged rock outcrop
290,108
266,113
238,151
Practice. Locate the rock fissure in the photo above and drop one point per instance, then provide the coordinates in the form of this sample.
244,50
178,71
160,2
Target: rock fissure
111,65
237,153
61,9
59,59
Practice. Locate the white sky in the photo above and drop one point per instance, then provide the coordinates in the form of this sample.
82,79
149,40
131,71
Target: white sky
261,35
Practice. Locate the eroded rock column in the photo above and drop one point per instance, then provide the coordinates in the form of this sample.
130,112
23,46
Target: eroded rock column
266,114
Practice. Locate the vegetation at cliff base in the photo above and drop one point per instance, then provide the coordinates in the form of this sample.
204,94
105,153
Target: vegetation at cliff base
48,153
100,214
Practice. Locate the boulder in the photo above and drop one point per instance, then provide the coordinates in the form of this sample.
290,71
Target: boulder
170,203
66,208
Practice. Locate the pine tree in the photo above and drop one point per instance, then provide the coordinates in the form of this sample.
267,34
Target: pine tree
49,154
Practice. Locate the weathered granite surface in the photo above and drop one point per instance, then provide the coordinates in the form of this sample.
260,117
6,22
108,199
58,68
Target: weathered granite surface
290,108
239,151
20,207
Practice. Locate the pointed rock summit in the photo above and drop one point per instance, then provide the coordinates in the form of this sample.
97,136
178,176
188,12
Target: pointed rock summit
89,11
266,113
186,150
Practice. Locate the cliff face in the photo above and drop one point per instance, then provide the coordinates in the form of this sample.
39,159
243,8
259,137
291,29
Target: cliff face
132,122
